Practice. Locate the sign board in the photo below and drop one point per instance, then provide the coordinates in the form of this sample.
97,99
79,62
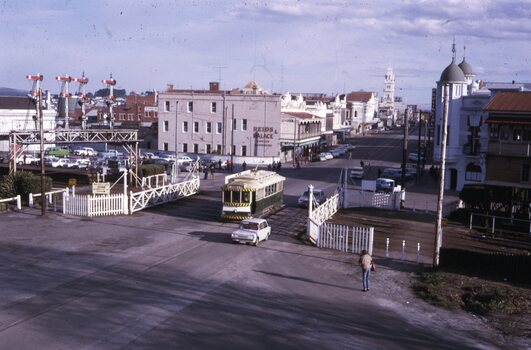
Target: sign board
101,188
72,182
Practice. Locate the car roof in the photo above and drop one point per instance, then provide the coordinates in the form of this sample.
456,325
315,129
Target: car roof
356,168
255,220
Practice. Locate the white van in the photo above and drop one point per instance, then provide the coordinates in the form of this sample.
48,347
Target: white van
356,172
385,185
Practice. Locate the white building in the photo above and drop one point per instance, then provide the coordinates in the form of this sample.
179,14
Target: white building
361,110
20,114
467,132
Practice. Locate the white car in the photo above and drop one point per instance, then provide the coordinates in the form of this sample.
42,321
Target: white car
252,231
85,151
60,163
81,163
27,159
356,172
182,159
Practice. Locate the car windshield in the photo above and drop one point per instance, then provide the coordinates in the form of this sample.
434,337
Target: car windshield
249,226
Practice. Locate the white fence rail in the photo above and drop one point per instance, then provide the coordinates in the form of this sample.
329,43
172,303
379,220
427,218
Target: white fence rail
13,199
319,215
50,198
367,199
154,180
346,238
162,194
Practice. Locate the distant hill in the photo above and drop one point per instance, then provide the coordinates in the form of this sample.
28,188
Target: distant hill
4,91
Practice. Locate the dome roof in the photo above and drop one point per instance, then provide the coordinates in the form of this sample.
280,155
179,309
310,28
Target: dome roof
452,74
465,67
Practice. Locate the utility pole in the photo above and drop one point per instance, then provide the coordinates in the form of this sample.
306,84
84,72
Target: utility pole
37,96
404,156
232,140
110,99
440,195
176,140
81,94
418,146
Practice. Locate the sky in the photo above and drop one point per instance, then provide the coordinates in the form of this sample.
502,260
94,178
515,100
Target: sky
330,46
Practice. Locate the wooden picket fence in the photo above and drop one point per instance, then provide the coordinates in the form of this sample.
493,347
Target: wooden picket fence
95,205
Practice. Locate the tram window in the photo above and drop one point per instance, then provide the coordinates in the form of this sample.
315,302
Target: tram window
227,196
269,190
246,197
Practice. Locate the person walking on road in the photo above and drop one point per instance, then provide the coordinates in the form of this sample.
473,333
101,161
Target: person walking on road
244,165
367,265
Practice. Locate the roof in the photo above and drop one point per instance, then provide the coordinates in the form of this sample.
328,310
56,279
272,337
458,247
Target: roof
300,115
252,85
254,220
16,102
359,96
255,179
510,102
465,67
452,74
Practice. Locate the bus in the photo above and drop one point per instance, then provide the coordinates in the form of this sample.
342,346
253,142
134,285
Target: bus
251,193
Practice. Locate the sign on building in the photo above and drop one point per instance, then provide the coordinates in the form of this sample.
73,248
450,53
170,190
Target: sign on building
101,188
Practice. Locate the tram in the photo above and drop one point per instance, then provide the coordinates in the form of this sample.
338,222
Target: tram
251,193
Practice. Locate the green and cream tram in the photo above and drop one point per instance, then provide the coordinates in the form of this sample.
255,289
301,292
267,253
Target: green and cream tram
251,193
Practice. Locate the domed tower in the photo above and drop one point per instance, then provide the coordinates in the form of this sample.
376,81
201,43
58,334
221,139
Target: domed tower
467,69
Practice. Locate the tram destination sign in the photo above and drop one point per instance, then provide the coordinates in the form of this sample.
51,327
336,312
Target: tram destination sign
101,188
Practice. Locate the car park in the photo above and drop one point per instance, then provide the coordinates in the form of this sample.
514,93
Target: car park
356,172
318,195
252,230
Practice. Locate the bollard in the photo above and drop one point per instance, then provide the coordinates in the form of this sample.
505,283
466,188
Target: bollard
403,249
30,201
418,253
74,191
19,202
387,248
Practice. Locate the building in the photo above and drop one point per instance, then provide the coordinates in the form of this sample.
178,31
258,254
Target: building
20,114
361,110
508,162
241,122
300,136
138,110
386,109
467,132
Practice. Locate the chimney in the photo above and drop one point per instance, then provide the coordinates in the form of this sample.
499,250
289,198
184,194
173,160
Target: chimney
214,86
169,87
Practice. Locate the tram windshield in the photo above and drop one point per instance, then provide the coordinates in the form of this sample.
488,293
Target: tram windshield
236,196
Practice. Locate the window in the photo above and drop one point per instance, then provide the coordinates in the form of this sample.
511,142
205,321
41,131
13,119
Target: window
218,149
517,133
185,126
208,149
166,126
233,149
234,123
473,172
213,107
525,172
129,116
167,106
196,148
494,132
185,147
165,146
526,136
219,128
122,116
196,127
438,135
190,106
271,189
504,132
244,124
244,151
208,128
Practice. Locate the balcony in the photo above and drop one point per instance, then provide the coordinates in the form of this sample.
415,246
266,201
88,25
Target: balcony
468,150
510,149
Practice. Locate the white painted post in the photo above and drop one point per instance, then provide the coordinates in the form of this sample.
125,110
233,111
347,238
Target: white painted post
371,239
74,191
19,202
124,201
310,199
30,202
418,253
403,249
387,248
493,223
65,195
345,192
470,225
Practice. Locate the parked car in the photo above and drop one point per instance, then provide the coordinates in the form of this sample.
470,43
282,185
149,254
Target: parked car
58,152
182,159
252,230
392,173
27,159
385,185
85,151
414,157
150,155
170,157
356,172
48,160
59,163
81,163
110,154
319,196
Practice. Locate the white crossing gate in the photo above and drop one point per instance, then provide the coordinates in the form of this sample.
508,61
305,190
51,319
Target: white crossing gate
94,205
346,238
